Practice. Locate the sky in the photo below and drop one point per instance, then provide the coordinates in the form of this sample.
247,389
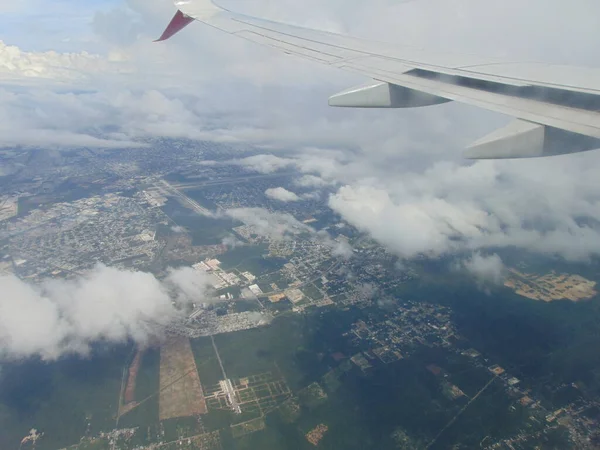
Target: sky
71,72
92,66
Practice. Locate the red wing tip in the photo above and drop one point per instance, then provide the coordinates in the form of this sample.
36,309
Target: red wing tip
177,23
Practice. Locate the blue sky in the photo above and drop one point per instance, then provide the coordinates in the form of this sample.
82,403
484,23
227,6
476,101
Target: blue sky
63,25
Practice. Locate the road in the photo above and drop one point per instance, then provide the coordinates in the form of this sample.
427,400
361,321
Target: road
185,200
226,381
199,184
488,384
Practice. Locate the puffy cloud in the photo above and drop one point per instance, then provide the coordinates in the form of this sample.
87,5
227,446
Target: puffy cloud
105,304
388,162
311,196
283,226
538,205
188,285
407,228
281,194
310,181
485,268
231,242
227,92
275,225
16,63
341,249
265,163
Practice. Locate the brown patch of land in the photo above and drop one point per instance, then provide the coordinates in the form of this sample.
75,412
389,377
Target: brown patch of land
276,298
451,391
134,367
551,286
180,389
128,394
315,435
496,369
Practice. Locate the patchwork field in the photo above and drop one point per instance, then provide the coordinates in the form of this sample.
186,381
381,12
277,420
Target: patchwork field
550,286
180,389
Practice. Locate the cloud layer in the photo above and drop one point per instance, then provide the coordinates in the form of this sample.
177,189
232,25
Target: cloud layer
106,304
279,226
539,205
398,174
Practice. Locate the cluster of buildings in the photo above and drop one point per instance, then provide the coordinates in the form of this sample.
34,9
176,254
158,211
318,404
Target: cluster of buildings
406,328
118,228
208,321
72,236
221,279
550,286
417,324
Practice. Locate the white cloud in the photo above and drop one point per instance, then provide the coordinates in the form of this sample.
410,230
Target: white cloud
17,64
203,84
310,181
485,268
283,226
407,228
231,242
188,285
311,195
275,225
105,304
342,249
534,204
264,163
281,194
124,80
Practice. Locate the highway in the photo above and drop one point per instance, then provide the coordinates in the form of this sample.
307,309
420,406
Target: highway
199,184
185,200
462,410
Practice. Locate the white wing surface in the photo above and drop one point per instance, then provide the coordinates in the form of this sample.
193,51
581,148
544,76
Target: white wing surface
556,107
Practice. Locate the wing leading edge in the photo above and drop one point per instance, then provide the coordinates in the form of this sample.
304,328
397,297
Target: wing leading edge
556,107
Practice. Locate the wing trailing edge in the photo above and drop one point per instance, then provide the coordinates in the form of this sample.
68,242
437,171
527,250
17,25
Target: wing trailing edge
380,94
557,107
523,139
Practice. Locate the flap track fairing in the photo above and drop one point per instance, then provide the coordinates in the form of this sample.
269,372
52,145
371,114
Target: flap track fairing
380,94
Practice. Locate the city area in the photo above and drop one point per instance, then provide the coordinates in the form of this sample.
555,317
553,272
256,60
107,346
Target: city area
284,326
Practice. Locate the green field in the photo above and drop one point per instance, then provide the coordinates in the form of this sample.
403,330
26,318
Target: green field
60,398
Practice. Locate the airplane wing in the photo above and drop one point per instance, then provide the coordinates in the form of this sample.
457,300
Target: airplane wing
556,108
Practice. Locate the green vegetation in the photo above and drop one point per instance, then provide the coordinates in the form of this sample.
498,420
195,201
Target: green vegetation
60,398
311,291
290,410
312,396
206,362
204,230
